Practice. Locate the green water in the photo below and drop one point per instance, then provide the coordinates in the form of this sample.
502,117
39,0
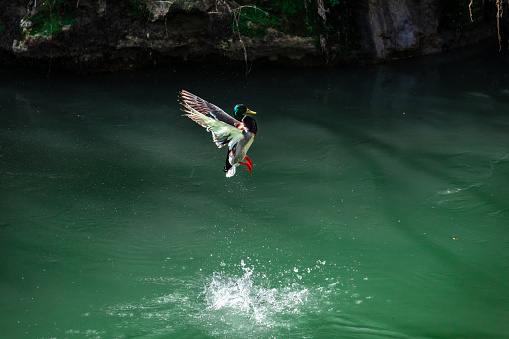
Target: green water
377,207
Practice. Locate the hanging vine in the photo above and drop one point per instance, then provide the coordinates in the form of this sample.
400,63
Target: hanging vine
324,21
235,9
500,11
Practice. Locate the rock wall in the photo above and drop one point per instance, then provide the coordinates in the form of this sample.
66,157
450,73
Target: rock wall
96,35
399,28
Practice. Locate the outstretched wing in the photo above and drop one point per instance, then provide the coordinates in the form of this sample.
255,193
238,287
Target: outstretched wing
188,99
222,133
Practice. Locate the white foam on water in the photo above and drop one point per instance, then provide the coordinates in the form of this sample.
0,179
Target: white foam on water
240,299
251,297
478,94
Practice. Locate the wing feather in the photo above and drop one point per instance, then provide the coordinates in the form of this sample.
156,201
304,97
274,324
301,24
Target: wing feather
222,133
188,100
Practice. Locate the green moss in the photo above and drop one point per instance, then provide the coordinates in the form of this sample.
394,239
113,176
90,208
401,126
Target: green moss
47,25
286,16
51,17
252,22
136,8
300,18
288,7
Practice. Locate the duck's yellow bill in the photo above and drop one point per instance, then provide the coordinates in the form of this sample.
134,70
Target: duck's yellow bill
248,111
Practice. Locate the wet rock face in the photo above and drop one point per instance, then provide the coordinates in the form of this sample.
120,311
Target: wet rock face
401,28
97,35
392,28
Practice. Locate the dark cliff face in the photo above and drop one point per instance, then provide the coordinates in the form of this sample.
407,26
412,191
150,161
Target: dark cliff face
95,35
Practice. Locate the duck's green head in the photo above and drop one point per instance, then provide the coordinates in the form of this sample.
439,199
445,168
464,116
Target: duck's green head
240,110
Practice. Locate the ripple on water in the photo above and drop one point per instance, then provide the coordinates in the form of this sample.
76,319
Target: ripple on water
241,300
457,199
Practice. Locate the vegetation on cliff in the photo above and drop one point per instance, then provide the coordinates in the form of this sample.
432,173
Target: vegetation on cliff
128,32
49,17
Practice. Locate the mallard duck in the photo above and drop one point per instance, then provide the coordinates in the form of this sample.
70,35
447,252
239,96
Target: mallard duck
238,133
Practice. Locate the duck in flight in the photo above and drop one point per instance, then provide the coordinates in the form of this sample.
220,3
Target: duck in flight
238,133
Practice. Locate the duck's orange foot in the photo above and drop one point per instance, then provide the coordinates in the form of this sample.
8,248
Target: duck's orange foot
248,163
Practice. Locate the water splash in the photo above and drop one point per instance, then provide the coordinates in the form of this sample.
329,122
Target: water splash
251,296
241,299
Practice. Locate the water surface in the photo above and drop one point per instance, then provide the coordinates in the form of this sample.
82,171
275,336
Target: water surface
377,207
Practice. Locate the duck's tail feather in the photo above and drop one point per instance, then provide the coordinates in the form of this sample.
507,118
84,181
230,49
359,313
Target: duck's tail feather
231,172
